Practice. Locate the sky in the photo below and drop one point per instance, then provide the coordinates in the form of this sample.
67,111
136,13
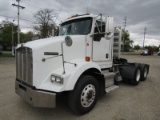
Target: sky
140,13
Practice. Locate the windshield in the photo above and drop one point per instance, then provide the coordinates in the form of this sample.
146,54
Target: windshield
76,27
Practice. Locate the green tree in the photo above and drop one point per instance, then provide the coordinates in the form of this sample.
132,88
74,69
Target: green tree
6,34
128,43
26,37
154,48
137,47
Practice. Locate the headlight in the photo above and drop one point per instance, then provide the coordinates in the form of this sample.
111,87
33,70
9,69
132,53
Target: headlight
145,52
56,79
53,78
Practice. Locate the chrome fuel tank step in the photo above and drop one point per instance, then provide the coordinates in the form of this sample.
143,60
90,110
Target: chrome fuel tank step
111,88
109,78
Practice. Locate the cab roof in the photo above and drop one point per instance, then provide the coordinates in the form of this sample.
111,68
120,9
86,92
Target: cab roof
81,16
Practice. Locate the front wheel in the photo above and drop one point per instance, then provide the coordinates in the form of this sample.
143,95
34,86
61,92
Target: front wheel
84,96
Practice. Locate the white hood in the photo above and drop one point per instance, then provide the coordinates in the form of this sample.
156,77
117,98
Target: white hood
42,70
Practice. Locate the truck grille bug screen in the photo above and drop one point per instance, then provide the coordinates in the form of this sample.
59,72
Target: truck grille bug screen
24,65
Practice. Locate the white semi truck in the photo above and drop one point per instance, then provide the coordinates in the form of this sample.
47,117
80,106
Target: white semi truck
82,61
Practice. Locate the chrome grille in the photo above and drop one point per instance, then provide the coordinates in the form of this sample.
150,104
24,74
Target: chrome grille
24,65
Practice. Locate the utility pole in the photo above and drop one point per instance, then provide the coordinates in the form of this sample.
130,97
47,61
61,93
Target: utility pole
124,24
18,6
12,41
145,30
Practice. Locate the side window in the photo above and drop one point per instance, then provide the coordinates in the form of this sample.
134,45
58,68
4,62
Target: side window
99,31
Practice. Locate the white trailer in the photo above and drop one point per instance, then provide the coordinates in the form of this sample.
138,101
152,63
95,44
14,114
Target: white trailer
82,61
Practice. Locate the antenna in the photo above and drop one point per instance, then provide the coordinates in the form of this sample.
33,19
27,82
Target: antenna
58,14
88,6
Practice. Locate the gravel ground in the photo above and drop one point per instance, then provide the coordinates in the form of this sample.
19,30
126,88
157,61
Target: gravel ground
126,103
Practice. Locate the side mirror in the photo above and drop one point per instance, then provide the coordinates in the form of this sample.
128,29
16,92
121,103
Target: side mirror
109,27
109,35
68,41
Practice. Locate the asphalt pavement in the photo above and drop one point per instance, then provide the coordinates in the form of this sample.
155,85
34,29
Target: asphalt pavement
128,102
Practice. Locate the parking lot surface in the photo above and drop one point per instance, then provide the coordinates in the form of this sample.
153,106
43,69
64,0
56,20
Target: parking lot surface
140,102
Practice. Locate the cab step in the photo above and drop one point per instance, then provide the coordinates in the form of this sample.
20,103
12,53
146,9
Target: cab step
109,78
108,89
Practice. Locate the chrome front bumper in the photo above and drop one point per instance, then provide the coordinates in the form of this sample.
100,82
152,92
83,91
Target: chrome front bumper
36,98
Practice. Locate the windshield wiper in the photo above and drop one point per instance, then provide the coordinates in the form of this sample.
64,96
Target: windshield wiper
68,30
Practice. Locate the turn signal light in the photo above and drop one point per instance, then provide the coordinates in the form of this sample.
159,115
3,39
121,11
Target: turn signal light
87,59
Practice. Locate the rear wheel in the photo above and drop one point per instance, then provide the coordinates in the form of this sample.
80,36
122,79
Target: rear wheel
136,78
131,73
84,96
144,72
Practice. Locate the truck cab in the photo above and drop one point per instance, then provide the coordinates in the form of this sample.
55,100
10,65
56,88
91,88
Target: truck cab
95,30
83,60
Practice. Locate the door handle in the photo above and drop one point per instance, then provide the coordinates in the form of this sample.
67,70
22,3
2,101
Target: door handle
107,55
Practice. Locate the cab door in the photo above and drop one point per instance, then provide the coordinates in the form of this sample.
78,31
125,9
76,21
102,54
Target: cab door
101,46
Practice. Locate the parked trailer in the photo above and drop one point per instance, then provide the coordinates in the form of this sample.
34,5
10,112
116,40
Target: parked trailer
84,61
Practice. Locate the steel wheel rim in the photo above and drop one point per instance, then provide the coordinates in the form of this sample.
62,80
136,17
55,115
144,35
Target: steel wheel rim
88,95
138,75
145,72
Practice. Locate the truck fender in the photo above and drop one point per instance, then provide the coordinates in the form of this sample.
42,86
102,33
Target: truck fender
82,67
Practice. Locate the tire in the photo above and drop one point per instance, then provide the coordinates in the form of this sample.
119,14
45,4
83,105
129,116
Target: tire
144,71
87,88
131,74
136,78
123,61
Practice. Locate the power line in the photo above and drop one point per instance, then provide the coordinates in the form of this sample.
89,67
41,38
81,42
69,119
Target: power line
58,14
7,16
37,4
19,18
31,4
26,20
